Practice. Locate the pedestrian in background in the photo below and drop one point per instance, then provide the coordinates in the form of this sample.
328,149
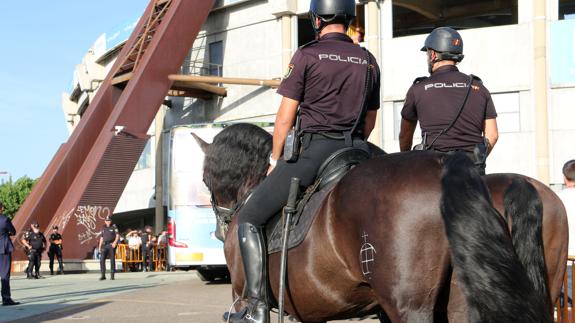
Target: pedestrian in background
35,242
567,196
55,250
147,247
7,230
109,238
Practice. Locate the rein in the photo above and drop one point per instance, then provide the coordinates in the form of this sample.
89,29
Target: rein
224,215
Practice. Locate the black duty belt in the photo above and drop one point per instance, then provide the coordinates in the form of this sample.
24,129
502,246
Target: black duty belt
334,135
452,150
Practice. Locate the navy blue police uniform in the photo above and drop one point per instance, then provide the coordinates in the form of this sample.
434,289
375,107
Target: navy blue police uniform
146,251
328,78
55,250
6,248
37,241
25,236
108,236
434,101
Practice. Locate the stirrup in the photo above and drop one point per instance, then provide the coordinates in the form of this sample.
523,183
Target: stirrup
256,311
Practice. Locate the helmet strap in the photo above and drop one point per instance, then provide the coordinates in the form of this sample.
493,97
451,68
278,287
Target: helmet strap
323,21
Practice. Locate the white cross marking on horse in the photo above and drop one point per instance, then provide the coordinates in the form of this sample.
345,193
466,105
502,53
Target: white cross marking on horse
367,255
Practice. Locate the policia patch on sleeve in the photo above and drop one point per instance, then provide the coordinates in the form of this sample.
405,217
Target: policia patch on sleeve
288,72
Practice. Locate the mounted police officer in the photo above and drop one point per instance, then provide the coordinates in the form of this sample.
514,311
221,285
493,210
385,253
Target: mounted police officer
327,81
55,250
109,238
455,110
35,242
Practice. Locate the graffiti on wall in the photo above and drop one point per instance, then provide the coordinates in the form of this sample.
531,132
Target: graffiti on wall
62,222
87,218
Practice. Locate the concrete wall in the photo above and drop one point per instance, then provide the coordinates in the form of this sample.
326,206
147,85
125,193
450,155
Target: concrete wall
251,38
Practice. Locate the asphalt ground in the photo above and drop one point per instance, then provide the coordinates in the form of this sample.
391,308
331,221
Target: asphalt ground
133,297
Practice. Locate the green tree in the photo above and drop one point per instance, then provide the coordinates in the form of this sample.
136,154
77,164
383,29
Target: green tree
13,194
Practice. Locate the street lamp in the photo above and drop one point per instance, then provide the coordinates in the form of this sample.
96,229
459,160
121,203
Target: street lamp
5,173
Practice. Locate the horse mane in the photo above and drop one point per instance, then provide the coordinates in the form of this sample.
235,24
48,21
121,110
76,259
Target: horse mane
236,161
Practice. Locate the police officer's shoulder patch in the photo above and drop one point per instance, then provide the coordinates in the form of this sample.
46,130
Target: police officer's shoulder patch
289,70
420,79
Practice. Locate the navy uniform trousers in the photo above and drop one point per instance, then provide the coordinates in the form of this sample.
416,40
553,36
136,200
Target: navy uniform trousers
108,251
5,266
270,196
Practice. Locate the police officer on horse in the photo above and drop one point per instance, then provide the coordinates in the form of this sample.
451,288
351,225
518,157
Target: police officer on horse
455,110
321,101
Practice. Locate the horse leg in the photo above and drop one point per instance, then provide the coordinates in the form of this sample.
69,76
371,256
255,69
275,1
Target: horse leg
457,307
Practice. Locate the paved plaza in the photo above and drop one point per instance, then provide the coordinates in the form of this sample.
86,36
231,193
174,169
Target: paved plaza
133,297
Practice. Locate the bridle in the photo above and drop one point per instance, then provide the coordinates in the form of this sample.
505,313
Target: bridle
224,215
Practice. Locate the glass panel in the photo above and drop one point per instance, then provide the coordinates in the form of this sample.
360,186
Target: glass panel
421,17
566,9
145,160
216,58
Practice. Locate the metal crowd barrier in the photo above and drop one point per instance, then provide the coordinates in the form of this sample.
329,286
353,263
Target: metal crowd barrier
564,307
131,257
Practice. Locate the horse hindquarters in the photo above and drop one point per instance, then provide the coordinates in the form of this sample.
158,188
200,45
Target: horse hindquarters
494,283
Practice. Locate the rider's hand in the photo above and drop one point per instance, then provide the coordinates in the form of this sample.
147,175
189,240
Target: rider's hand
273,163
270,169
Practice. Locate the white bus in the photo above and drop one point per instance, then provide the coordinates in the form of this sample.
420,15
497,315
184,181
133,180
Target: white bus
191,221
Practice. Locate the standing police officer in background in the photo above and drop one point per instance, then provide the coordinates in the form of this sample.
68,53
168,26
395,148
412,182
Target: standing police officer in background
449,97
35,242
55,250
327,81
146,237
7,230
109,238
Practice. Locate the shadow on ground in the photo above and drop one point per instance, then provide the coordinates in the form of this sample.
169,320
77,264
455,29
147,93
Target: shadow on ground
68,312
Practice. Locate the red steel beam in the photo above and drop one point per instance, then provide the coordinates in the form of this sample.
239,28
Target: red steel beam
86,177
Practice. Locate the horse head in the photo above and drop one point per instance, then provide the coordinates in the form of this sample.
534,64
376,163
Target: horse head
235,162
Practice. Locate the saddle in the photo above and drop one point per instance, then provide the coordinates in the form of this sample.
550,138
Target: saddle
329,173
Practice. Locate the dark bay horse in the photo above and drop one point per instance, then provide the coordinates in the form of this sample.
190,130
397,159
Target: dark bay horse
416,237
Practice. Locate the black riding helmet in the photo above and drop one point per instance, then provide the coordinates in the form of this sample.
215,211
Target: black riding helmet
331,11
447,42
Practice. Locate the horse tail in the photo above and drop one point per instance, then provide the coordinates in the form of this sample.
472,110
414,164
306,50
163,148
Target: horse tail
495,284
524,208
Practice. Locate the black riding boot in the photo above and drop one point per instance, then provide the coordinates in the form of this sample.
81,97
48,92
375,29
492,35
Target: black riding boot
253,250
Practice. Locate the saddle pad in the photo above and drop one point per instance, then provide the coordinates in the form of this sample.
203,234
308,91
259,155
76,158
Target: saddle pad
299,229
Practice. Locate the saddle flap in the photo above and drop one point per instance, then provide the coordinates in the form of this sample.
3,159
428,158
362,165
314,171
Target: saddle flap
333,169
339,163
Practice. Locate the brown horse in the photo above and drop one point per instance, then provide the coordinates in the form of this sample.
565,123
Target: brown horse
439,249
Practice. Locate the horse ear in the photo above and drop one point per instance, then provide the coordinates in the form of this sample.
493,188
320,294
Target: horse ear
204,145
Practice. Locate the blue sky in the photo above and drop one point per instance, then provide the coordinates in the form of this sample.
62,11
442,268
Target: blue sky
40,43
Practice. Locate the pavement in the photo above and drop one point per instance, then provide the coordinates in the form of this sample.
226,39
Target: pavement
133,297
